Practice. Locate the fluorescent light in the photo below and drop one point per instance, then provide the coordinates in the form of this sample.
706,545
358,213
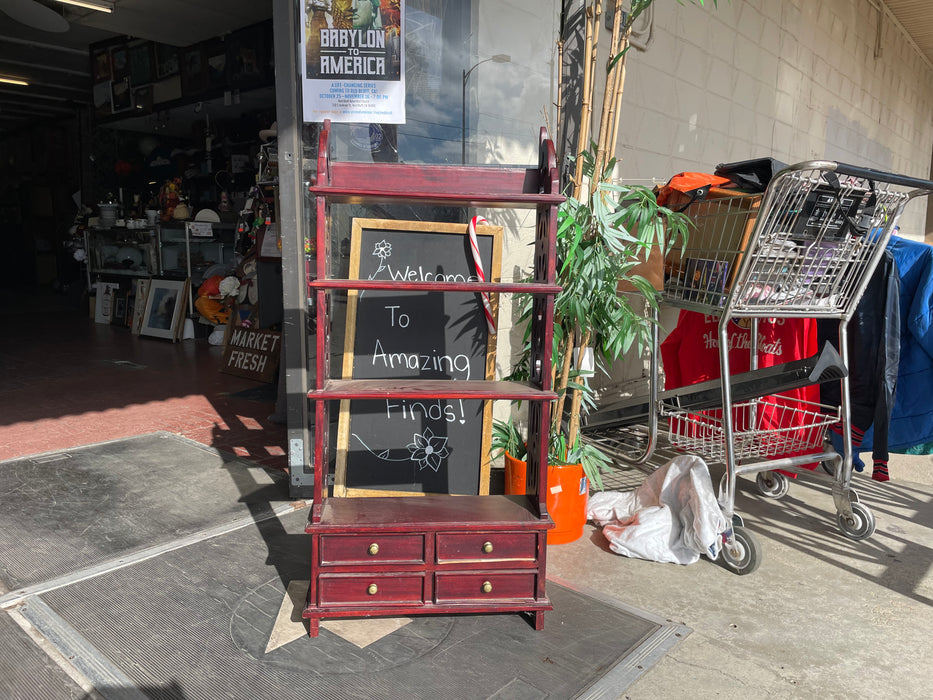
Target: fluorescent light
99,6
13,81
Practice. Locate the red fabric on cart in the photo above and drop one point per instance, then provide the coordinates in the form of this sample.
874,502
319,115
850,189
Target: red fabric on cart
690,353
694,185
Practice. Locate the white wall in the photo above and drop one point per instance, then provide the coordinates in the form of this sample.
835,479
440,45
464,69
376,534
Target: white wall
791,79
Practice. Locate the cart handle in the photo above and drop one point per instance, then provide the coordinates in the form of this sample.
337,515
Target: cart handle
865,173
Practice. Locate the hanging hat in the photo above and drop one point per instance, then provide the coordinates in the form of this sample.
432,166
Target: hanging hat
270,133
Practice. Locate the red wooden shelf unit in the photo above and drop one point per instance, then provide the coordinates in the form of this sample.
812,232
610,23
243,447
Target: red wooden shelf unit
433,554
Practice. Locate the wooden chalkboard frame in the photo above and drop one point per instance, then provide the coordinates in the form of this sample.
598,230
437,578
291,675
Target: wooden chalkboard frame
344,419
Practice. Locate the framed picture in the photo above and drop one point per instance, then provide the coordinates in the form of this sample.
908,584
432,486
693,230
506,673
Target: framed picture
141,64
100,64
192,71
142,99
107,292
244,57
118,318
166,90
130,306
141,294
215,59
166,60
102,98
121,97
165,308
119,62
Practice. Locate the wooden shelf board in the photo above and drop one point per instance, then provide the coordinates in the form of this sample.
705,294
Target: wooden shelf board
476,287
429,512
429,388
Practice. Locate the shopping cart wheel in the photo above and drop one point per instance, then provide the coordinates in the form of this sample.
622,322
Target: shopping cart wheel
772,484
743,556
860,526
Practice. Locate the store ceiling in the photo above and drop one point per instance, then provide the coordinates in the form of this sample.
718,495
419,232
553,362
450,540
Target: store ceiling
56,63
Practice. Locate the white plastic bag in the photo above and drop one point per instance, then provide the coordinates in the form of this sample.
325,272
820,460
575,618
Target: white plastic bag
672,517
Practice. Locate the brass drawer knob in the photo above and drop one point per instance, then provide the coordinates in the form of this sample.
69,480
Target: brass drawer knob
373,589
487,547
487,587
373,549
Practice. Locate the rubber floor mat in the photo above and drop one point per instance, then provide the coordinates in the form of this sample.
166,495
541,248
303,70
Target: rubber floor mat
72,509
197,622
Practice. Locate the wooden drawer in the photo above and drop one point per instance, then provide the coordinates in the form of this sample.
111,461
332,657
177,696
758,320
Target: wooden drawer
484,586
387,589
486,546
372,549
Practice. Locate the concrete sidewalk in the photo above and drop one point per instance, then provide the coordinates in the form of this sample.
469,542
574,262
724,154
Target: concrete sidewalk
823,617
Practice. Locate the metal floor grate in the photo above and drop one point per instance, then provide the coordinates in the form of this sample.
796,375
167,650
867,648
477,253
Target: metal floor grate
27,672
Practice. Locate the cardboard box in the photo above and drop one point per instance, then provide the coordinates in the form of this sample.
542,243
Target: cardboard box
722,225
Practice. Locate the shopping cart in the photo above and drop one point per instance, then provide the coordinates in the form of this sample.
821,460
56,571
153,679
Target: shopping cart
806,248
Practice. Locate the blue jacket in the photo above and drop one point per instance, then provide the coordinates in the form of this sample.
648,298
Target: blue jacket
911,426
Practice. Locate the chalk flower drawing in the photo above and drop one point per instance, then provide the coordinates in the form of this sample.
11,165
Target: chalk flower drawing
382,251
428,449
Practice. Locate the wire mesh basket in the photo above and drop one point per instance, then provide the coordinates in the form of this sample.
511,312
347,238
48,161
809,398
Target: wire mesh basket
702,269
768,427
804,250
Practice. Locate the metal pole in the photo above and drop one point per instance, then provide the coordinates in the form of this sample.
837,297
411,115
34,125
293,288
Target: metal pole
463,119
292,225
498,58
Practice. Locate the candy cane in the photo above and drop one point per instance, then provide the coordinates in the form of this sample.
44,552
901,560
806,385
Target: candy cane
478,263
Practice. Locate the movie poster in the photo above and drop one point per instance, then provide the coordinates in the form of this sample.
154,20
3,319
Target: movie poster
354,61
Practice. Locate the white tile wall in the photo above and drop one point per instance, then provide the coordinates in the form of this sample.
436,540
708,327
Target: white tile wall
792,79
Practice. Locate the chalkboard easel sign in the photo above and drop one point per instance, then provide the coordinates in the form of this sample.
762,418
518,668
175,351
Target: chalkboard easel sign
411,446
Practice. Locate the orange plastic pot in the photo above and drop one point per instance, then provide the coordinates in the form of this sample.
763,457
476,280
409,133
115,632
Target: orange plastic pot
567,494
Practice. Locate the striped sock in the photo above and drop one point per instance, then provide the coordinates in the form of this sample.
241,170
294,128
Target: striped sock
880,471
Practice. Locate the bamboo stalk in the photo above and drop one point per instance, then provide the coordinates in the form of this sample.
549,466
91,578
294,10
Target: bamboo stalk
617,107
577,394
586,107
560,83
609,95
566,348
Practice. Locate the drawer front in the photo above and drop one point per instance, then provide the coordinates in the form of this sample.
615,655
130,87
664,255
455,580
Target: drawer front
486,546
488,586
372,549
377,590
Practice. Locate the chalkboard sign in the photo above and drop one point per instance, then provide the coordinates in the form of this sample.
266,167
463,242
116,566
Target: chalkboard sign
413,446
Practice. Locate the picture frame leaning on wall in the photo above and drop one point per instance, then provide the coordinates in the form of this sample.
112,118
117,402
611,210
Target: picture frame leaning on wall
165,308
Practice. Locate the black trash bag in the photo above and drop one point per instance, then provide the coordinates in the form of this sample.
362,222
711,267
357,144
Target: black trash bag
751,175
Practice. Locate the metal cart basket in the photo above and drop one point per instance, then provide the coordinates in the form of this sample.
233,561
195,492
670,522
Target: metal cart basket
806,248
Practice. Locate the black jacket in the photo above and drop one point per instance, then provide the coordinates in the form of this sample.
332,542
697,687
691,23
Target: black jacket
874,352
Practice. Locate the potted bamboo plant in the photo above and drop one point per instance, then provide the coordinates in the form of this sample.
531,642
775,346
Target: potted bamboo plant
602,238
605,231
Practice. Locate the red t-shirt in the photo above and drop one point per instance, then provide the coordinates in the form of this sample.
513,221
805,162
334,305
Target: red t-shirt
691,354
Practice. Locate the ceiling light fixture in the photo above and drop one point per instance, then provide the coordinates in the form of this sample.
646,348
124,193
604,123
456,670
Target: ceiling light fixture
13,81
99,6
